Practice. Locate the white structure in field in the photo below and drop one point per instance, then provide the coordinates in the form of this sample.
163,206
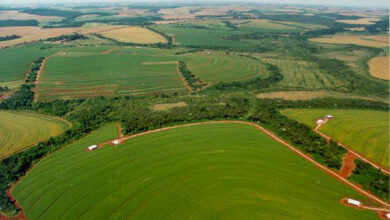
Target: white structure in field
329,116
388,215
92,147
320,121
116,142
353,202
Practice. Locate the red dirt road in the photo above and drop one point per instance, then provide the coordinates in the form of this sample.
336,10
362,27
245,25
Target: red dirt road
260,128
348,165
361,157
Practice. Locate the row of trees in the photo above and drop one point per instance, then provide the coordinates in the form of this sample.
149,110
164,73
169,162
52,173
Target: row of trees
9,37
194,82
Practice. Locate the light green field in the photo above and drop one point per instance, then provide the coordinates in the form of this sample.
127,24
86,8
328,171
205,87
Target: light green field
366,132
90,72
217,67
214,171
19,130
15,62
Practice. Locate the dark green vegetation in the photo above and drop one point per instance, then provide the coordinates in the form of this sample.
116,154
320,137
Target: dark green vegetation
191,79
10,23
71,37
217,167
372,179
9,37
136,115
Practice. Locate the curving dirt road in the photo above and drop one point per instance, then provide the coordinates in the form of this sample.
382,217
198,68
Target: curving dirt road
361,157
260,128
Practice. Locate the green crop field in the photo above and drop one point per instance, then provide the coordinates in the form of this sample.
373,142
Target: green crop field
15,62
366,132
217,67
19,130
90,72
213,171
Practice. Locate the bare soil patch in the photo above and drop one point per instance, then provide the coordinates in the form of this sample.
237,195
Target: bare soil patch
167,106
348,165
379,67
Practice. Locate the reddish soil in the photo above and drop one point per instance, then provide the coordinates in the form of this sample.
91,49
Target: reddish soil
361,157
348,165
188,87
260,128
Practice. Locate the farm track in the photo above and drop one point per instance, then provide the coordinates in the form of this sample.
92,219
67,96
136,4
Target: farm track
361,157
332,173
274,137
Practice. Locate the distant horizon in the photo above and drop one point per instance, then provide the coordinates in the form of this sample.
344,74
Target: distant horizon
332,3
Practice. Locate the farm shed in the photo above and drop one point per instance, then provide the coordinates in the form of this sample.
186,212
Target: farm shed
92,147
354,202
388,215
116,142
320,121
329,116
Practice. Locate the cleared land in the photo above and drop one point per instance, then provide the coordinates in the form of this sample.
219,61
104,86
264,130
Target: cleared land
29,34
360,21
135,35
90,71
217,67
366,132
90,74
19,130
17,15
302,74
369,41
15,62
183,172
167,106
308,95
379,67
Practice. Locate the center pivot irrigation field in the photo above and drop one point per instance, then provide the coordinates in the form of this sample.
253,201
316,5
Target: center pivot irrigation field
366,132
85,72
209,171
19,130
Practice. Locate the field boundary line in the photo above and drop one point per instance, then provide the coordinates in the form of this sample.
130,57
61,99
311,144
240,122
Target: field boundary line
274,137
188,87
257,126
361,157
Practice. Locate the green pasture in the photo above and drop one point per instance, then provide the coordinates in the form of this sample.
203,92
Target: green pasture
15,62
19,130
90,72
214,171
364,131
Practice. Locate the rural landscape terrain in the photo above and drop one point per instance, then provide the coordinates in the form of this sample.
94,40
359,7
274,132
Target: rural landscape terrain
194,111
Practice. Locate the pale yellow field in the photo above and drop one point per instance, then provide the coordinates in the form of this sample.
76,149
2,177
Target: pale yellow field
308,95
167,106
360,21
379,67
134,35
29,34
16,15
369,41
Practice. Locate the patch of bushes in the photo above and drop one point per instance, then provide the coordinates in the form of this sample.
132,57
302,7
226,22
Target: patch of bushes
10,22
67,38
371,179
9,37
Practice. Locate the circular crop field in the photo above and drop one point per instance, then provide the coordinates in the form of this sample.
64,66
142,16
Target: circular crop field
209,171
19,130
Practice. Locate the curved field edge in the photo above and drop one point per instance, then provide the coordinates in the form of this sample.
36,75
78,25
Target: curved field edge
183,172
19,130
365,131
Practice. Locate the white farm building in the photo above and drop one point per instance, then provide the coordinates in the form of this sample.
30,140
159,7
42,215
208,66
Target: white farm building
92,147
329,116
354,202
116,142
320,121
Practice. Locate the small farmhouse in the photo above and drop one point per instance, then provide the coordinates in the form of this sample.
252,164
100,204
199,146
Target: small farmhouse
116,142
354,202
320,121
92,147
329,116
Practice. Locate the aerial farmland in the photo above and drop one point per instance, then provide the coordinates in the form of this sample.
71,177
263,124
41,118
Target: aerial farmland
168,110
